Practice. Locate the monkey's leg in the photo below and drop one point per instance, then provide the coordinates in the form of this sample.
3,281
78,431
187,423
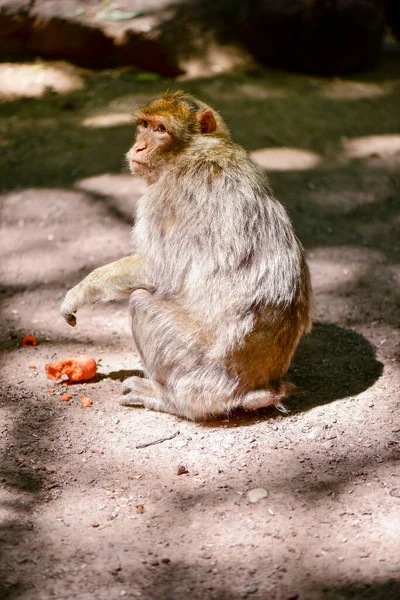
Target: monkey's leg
173,349
114,281
141,392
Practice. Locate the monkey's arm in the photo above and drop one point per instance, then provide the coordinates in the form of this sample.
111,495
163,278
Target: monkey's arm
105,284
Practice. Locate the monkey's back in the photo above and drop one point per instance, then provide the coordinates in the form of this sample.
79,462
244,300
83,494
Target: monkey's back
224,249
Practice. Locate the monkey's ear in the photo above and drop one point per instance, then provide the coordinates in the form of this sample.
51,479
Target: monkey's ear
207,121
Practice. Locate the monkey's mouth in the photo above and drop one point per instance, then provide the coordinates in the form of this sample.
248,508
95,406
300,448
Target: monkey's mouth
139,163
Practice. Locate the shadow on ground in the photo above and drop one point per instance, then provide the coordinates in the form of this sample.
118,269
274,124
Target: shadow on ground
332,363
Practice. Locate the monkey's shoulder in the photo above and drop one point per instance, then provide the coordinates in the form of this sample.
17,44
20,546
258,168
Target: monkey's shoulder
213,158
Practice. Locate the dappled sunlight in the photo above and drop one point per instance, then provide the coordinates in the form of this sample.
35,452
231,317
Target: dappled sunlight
98,328
363,147
213,59
389,525
128,102
45,242
108,120
394,271
45,206
124,189
111,184
339,275
286,159
260,90
344,200
340,89
37,79
327,275
344,266
51,257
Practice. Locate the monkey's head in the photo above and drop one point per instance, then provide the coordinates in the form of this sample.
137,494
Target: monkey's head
165,127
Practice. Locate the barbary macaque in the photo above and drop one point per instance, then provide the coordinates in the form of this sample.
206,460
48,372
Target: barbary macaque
219,288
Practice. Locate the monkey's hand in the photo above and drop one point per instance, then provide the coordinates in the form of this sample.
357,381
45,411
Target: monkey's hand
71,320
70,304
105,284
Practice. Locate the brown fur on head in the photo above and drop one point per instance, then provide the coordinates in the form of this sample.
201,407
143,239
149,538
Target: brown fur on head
185,115
165,126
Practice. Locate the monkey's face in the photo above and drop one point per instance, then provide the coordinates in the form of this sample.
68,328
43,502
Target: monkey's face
151,151
165,128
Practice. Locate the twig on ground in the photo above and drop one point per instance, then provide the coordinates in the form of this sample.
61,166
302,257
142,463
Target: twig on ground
164,439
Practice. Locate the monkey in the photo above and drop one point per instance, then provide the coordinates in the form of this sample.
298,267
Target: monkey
219,288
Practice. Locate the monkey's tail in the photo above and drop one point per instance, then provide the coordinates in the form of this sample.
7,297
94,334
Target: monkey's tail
269,397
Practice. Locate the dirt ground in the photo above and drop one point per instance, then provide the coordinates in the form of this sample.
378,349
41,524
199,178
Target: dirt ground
86,513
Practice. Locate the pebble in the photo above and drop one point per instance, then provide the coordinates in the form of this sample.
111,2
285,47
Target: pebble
314,433
182,470
252,588
256,494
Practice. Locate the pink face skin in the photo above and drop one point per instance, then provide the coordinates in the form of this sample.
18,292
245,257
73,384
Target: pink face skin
152,140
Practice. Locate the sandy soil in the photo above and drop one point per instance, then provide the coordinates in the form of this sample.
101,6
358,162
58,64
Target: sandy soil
89,514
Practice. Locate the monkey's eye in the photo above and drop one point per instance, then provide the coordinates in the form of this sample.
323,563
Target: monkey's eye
161,129
143,123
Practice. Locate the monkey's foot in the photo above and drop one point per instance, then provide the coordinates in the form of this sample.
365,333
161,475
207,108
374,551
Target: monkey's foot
139,392
262,398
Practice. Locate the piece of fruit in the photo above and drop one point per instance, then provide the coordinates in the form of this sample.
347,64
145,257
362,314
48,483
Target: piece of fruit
30,340
85,401
76,368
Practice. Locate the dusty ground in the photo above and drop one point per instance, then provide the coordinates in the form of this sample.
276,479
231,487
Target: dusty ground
86,514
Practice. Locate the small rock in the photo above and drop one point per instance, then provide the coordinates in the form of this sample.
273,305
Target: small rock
256,494
314,433
182,470
251,588
181,443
